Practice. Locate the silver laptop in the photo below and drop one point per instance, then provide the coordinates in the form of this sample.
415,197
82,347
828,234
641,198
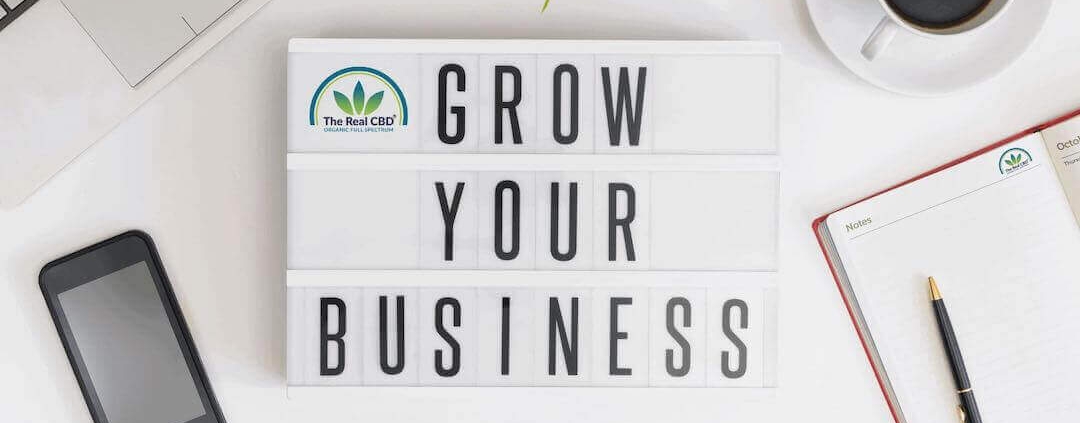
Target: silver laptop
72,70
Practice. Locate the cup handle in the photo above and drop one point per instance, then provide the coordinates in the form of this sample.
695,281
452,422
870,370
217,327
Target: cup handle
882,36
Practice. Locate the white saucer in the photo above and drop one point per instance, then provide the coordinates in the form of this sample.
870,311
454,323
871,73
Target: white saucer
920,66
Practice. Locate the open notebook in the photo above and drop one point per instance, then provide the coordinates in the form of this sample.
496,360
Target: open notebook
998,230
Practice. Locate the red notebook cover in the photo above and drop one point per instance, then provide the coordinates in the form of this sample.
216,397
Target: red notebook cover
832,268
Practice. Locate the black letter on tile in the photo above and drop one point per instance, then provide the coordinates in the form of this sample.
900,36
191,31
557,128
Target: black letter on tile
449,213
739,345
457,111
624,104
383,353
455,347
504,367
556,104
571,249
327,337
614,336
510,106
684,368
515,220
556,325
624,222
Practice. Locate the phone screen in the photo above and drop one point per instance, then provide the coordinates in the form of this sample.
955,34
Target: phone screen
129,349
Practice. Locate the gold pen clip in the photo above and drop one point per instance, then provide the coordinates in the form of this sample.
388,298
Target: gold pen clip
960,411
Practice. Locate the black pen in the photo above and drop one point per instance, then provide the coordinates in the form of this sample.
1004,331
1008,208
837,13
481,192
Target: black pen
969,411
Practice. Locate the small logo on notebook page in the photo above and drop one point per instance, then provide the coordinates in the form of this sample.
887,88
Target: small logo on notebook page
358,99
1013,160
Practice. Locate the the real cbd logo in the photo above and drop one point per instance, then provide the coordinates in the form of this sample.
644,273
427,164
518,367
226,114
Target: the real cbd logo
1013,160
382,111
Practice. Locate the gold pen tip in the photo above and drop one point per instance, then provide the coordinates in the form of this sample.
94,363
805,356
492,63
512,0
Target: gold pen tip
934,293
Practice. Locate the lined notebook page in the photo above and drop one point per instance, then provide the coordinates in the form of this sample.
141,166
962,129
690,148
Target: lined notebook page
1003,244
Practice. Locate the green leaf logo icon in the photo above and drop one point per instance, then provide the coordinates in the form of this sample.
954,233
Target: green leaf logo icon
343,103
358,105
373,103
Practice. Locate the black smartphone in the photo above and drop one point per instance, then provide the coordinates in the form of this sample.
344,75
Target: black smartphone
125,336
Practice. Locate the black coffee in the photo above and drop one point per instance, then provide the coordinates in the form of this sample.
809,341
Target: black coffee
937,13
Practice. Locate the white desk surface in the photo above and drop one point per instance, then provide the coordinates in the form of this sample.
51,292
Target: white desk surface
201,167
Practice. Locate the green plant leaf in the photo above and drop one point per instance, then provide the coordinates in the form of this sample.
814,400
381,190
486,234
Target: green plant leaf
358,97
373,103
543,8
343,103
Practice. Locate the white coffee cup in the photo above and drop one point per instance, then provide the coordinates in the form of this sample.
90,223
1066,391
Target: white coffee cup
893,21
